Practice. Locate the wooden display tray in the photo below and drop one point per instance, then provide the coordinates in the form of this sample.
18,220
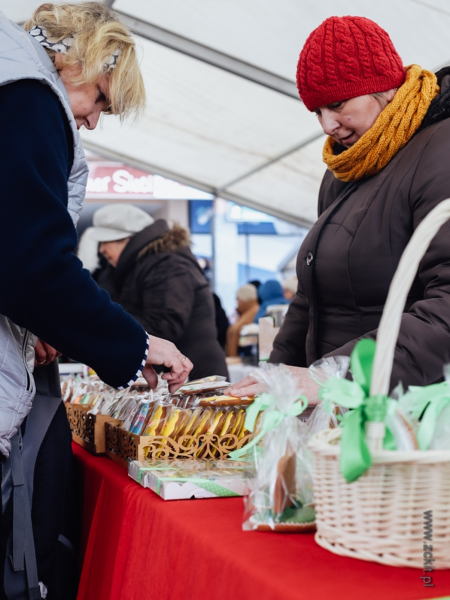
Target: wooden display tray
88,430
122,446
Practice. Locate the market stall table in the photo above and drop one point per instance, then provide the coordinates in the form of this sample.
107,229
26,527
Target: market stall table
138,546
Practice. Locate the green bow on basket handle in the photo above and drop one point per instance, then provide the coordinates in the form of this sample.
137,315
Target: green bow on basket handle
355,457
428,401
271,419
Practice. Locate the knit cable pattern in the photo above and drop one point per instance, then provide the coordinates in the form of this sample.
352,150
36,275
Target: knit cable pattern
394,127
346,57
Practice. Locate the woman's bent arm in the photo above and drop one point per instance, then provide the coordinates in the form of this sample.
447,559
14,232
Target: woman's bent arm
43,285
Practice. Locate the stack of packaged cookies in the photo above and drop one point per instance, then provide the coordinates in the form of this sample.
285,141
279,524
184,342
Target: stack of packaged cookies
186,479
84,391
199,408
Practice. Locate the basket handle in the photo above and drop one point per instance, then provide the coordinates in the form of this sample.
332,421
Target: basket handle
389,327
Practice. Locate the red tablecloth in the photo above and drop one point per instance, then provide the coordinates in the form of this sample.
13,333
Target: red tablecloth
137,546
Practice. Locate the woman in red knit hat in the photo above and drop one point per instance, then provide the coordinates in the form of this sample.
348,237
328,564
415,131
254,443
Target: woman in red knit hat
387,150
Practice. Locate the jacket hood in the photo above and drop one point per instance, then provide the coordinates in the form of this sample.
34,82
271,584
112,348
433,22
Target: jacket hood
270,290
439,108
155,238
171,241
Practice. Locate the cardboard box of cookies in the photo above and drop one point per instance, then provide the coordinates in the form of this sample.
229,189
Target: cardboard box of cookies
192,479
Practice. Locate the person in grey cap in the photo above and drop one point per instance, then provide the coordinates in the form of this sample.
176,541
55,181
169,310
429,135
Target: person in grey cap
157,279
114,225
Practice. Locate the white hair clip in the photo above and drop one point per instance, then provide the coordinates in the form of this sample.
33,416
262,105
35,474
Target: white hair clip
111,61
40,35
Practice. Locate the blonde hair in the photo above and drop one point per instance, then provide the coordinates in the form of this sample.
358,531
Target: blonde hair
97,33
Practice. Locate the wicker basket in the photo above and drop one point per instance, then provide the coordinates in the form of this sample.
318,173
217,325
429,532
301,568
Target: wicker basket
381,516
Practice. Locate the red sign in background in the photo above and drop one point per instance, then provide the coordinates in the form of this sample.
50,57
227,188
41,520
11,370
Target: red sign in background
112,180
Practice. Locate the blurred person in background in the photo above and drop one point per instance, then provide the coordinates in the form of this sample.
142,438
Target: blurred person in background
270,293
387,149
222,322
247,307
289,287
87,251
68,65
257,285
157,279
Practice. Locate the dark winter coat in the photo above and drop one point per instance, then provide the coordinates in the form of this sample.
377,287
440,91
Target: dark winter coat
347,261
159,281
43,286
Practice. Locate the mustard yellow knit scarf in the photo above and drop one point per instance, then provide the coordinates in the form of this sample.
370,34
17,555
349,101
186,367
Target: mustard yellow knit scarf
394,127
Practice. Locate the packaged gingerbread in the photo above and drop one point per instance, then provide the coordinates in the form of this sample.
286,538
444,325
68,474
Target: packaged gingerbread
281,494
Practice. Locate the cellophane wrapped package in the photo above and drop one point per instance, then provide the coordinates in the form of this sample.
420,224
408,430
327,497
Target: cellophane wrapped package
326,415
281,494
187,479
427,411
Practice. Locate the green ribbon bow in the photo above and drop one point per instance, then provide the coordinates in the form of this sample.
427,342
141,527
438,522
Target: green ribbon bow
355,457
272,418
428,401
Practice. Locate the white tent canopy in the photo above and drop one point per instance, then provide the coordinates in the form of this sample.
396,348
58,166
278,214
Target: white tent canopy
223,114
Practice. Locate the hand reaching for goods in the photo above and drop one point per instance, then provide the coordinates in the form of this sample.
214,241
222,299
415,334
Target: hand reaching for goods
44,354
306,385
162,352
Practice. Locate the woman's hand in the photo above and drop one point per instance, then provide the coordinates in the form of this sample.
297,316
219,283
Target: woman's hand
162,352
306,386
247,387
44,354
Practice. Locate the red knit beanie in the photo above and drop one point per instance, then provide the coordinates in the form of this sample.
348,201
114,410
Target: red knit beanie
347,57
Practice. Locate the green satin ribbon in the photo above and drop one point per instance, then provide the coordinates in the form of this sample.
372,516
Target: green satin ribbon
355,457
428,401
271,419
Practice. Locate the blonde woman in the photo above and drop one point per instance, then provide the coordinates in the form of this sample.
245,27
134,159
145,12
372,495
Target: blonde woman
70,64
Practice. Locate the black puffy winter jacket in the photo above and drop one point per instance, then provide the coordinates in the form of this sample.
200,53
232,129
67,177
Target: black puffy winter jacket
160,283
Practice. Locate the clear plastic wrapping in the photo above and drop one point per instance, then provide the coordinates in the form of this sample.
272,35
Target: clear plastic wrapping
327,415
281,494
428,409
326,368
193,412
401,427
138,424
441,436
183,479
67,387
